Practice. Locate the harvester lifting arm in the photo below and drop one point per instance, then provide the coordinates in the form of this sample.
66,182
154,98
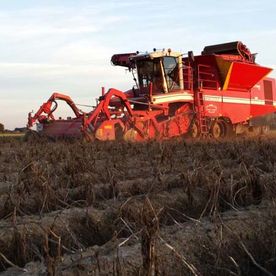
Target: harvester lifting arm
48,110
103,111
103,106
68,100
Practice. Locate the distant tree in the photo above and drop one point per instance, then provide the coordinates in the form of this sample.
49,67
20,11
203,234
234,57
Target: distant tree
2,128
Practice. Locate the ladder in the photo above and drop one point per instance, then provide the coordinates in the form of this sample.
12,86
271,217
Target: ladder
202,121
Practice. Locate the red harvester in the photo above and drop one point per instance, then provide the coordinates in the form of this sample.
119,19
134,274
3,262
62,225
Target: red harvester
220,93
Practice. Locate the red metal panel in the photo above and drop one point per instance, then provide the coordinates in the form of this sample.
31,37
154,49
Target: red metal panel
268,92
260,105
243,76
236,106
63,128
212,103
259,110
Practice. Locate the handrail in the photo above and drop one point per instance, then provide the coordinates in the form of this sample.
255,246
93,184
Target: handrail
187,77
207,79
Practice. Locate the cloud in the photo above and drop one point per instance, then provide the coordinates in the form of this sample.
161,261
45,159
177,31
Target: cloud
40,22
18,31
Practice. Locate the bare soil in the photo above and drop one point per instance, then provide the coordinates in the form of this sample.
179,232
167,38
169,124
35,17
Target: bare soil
173,208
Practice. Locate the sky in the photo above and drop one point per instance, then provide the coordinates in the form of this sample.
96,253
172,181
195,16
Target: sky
66,46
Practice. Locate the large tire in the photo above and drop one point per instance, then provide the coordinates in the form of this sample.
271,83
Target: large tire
37,137
266,130
218,129
254,131
228,129
31,136
119,133
194,131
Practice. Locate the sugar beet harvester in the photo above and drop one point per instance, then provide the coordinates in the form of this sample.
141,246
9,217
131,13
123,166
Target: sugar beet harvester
220,93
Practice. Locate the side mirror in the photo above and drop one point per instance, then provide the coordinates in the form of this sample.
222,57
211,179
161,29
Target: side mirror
191,56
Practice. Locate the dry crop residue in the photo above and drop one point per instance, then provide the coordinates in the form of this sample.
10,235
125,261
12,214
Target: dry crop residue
172,208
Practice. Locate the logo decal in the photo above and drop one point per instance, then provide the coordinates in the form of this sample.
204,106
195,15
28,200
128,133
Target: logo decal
211,108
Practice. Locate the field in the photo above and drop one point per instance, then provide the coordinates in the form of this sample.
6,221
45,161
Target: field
8,134
172,208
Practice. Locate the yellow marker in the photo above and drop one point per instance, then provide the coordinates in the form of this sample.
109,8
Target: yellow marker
225,86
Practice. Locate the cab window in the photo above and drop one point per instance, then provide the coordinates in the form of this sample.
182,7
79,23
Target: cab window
171,72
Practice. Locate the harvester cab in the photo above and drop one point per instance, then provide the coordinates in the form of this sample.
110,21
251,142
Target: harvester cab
158,72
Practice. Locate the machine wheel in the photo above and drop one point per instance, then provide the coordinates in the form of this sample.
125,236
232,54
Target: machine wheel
218,129
228,129
254,131
31,136
119,133
265,130
194,132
